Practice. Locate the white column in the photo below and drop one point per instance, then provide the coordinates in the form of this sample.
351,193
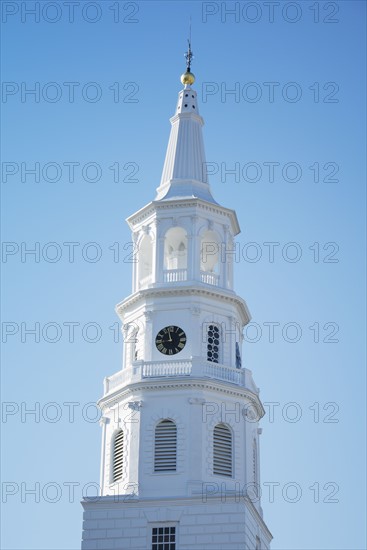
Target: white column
159,257
148,336
195,250
135,263
103,422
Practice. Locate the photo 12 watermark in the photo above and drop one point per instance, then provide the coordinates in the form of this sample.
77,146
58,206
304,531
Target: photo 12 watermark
70,171
270,12
74,12
69,92
92,252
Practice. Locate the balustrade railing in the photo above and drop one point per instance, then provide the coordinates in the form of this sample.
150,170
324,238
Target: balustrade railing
174,275
209,278
174,368
195,367
221,372
118,379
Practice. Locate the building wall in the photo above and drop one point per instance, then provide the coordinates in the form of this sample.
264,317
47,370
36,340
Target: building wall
214,525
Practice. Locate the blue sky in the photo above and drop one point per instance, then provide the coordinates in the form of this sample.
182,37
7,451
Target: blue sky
125,67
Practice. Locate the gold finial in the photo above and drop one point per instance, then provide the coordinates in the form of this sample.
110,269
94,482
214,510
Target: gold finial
188,77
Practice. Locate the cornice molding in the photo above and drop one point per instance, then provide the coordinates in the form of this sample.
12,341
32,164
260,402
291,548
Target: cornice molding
164,384
170,204
160,292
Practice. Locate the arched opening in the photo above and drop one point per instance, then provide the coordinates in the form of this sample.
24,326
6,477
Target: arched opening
210,258
165,446
117,456
175,255
222,451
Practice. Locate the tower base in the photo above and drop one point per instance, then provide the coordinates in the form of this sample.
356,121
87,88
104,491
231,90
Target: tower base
126,522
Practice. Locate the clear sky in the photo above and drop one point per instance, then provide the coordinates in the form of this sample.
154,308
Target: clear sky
106,78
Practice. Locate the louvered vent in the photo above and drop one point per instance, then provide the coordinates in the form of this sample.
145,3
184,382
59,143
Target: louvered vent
222,451
118,455
165,448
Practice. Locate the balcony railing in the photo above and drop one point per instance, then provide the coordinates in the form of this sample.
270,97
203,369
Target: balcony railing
221,372
120,378
180,275
209,278
174,275
176,368
195,367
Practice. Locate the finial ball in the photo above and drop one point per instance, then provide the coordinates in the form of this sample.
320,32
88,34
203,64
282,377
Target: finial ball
188,78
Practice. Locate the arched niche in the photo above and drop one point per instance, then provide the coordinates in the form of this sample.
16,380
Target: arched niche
210,250
175,249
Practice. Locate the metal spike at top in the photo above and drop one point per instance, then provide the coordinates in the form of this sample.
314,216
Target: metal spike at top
189,55
188,78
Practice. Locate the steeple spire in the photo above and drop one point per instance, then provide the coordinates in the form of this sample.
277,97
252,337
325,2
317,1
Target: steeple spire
184,171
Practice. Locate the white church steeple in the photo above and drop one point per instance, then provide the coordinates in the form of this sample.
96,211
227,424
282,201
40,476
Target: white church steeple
180,436
184,171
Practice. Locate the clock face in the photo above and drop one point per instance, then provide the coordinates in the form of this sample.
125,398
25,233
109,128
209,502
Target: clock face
170,340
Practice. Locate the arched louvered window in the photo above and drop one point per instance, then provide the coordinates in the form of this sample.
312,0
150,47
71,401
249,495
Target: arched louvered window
118,456
213,344
222,451
165,446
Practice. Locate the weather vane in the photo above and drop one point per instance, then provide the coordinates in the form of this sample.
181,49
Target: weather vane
189,55
188,78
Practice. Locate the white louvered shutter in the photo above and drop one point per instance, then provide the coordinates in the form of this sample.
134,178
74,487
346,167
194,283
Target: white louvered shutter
118,455
165,447
222,451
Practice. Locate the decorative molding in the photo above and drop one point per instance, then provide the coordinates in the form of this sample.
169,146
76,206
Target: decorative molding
158,292
162,515
196,401
135,405
239,392
154,206
148,314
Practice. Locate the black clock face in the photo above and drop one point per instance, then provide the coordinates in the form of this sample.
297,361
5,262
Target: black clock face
170,340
